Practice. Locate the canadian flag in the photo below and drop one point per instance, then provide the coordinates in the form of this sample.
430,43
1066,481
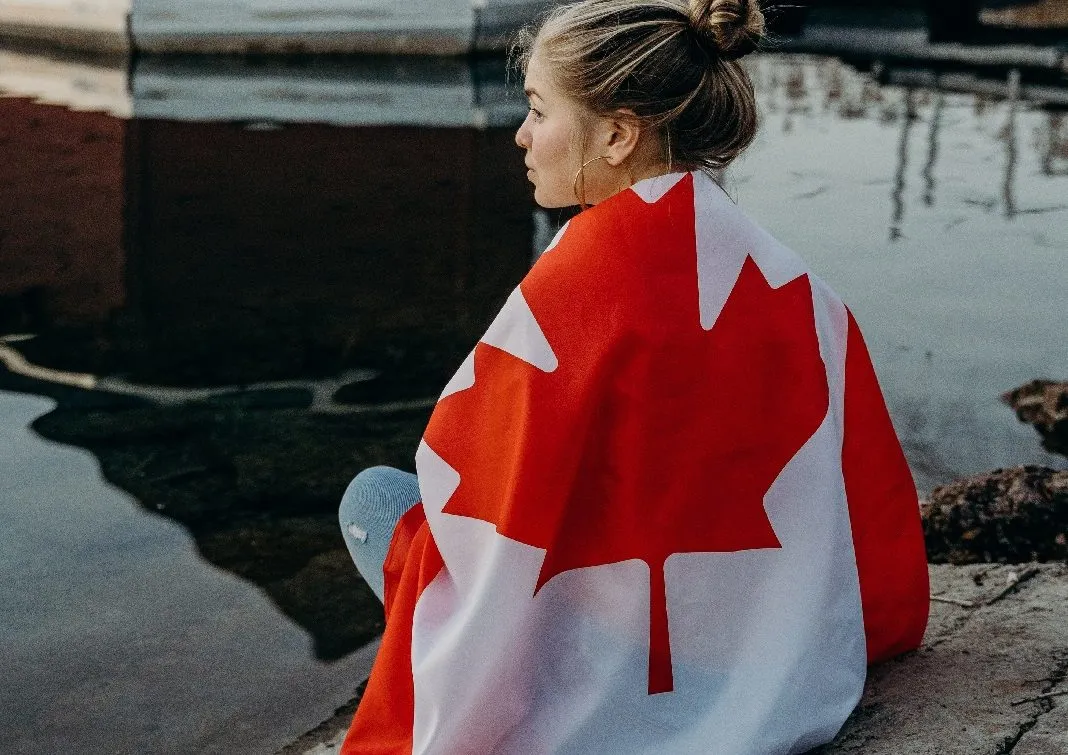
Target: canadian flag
663,508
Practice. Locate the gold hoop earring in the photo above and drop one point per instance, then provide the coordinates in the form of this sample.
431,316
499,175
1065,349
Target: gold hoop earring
574,184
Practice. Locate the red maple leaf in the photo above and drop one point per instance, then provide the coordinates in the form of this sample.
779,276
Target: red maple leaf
653,436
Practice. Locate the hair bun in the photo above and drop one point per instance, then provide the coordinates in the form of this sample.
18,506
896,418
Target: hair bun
733,28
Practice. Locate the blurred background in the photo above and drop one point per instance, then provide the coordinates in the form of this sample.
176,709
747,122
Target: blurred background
243,245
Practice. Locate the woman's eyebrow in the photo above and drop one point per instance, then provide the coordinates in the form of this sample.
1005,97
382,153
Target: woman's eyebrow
530,92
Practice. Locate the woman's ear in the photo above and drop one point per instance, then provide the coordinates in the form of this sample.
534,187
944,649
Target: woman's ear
622,134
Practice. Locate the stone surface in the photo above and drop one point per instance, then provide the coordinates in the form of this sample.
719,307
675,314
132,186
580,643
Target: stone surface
955,695
1043,403
1049,736
1007,515
1003,640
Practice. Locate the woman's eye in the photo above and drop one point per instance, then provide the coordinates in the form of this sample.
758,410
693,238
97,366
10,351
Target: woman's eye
537,114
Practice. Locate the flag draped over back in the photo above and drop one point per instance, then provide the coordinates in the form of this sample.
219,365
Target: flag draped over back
663,506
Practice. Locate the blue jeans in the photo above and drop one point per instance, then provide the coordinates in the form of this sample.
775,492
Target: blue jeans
373,503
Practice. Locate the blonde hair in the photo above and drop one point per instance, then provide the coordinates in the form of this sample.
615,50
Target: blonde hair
674,63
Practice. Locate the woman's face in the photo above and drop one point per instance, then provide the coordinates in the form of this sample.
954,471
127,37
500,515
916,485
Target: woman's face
548,135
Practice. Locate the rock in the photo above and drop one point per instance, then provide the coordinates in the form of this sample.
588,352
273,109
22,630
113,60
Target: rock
1010,515
1043,403
976,685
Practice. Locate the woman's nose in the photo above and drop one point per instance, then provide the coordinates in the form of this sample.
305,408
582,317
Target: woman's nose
522,136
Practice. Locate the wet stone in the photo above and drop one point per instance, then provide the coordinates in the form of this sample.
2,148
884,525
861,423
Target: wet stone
1010,515
1044,404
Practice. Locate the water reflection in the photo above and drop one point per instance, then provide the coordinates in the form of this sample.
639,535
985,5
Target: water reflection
243,281
118,639
1055,157
236,315
932,150
908,117
221,288
949,259
219,253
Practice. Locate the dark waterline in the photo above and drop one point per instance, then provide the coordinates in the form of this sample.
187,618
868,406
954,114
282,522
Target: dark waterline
235,306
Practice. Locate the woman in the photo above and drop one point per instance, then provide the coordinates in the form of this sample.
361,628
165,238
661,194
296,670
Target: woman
661,507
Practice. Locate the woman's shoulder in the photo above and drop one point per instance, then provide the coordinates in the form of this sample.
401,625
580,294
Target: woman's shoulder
677,235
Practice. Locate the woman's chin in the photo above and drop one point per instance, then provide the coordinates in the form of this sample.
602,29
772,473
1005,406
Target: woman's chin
549,202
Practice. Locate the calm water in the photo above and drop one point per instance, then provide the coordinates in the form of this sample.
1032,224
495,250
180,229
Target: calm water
225,287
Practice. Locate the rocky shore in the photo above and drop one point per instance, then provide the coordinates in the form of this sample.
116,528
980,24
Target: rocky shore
1007,516
1044,404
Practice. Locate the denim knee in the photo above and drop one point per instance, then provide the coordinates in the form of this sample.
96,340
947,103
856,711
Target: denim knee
379,494
372,505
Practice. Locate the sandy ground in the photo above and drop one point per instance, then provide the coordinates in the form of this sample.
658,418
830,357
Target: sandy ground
990,678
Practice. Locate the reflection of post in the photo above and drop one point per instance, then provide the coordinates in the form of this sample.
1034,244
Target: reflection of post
932,148
898,196
952,20
1010,144
1052,121
1056,144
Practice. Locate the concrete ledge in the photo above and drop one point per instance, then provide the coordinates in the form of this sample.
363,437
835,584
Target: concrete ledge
992,675
412,27
91,25
68,38
415,27
269,27
913,45
989,674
